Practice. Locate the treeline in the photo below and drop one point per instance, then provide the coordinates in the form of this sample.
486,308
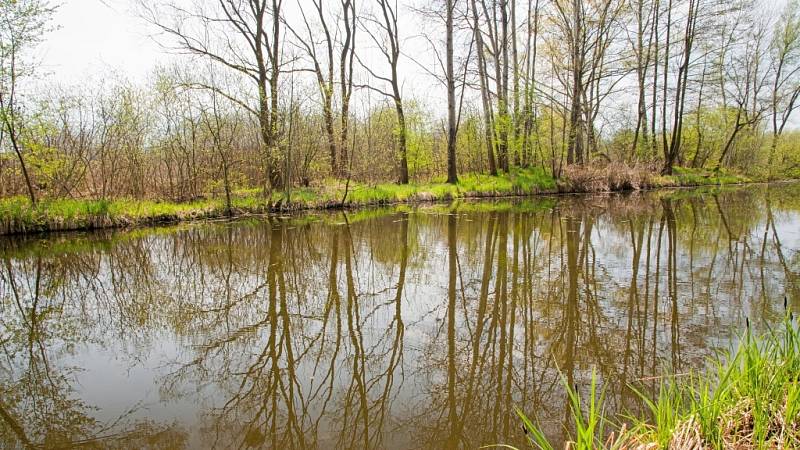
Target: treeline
272,95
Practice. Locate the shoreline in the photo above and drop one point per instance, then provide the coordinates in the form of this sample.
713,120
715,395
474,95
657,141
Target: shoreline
17,218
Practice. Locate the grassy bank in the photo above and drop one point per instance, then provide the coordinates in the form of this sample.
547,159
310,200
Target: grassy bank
747,399
18,217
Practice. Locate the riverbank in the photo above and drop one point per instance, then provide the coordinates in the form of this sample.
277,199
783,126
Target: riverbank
17,216
747,399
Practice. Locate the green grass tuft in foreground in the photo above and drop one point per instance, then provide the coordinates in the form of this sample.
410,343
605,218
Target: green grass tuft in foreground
749,399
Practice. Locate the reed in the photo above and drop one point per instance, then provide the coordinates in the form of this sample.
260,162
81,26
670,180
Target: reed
748,398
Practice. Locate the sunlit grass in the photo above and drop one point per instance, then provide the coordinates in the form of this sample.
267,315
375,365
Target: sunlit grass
517,182
18,216
751,400
684,176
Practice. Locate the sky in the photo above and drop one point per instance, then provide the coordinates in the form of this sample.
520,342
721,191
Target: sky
94,37
97,38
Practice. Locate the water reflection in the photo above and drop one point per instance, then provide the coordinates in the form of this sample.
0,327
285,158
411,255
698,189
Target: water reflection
417,328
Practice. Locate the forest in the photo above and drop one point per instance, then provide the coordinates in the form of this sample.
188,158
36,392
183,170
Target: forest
278,101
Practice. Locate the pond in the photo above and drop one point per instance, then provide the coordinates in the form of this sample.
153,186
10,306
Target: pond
406,327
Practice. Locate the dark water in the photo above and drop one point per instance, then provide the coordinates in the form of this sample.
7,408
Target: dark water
414,328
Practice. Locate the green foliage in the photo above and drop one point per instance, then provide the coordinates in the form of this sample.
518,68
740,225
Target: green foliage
749,402
551,126
589,429
619,146
471,142
705,132
518,182
786,160
47,165
25,24
18,216
419,140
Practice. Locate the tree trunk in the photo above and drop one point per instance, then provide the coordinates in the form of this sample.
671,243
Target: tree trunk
452,171
12,134
402,141
575,144
680,100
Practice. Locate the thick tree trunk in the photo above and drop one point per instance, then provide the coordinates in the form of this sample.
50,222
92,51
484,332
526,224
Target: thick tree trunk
515,120
505,123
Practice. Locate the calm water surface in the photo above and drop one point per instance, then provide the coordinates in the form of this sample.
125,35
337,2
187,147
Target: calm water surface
414,328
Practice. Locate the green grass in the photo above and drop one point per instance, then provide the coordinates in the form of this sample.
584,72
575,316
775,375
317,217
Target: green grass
17,216
748,398
683,176
517,182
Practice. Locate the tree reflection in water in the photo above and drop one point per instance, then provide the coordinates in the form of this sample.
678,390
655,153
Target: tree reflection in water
380,329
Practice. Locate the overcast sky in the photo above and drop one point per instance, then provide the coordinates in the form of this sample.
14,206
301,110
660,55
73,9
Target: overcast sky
93,38
97,37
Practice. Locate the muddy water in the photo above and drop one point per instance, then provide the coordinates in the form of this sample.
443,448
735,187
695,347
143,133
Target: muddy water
401,328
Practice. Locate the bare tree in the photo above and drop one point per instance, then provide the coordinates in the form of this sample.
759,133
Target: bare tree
747,80
346,60
328,69
492,45
484,88
243,36
572,22
323,70
672,152
785,50
388,41
645,17
530,125
222,127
